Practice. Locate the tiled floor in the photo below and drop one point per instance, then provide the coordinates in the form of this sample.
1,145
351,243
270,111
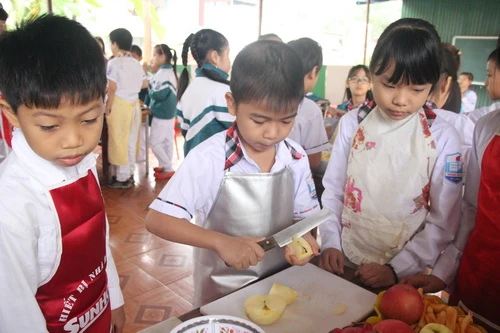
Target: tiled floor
155,275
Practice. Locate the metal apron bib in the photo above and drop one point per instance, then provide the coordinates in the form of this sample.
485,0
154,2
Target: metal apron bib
248,204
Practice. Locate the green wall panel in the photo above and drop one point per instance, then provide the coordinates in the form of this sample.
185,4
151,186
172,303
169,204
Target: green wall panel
319,88
459,18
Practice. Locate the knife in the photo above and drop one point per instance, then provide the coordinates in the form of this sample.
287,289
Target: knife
297,229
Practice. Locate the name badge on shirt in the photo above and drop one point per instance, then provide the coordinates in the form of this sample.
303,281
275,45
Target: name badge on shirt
312,188
454,168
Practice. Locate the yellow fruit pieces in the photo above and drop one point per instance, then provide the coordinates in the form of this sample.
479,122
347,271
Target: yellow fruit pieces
300,248
437,312
285,292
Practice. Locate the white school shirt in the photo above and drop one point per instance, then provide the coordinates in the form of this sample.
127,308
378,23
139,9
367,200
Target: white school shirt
309,128
445,198
469,101
464,126
30,235
447,265
481,112
128,75
192,191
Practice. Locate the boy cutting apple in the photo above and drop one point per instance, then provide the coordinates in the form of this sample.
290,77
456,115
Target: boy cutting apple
253,183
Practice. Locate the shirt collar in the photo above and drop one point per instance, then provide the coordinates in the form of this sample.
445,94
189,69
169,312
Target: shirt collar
46,172
217,71
166,66
430,104
235,150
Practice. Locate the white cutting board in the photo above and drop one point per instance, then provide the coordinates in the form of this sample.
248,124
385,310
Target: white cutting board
313,310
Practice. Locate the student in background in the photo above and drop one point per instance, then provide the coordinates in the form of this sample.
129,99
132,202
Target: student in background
454,101
202,109
136,53
394,180
162,101
101,44
125,79
3,19
469,97
358,88
56,264
233,183
442,94
309,128
476,286
270,36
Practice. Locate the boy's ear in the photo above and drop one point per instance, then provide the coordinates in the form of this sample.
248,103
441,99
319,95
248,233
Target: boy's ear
231,104
9,113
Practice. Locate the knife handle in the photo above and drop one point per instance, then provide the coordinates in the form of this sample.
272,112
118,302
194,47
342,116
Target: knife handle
268,243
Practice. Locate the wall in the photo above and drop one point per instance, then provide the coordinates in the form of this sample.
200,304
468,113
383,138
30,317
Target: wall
459,18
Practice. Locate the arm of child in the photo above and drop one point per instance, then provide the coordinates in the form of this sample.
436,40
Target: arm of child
111,95
334,180
443,218
237,252
115,293
163,93
19,310
445,269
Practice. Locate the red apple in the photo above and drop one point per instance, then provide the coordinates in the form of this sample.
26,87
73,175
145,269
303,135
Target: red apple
392,326
402,302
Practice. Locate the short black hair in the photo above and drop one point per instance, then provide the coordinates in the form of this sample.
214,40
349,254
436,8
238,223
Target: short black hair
270,36
309,52
122,37
3,14
268,73
413,46
495,56
136,49
101,44
469,76
61,60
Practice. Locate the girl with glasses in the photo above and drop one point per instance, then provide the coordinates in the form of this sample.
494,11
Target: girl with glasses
358,88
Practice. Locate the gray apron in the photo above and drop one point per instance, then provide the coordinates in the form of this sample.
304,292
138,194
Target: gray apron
247,204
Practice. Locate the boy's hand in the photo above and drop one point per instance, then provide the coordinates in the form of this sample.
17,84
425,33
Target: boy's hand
429,283
292,260
375,275
332,260
240,252
117,320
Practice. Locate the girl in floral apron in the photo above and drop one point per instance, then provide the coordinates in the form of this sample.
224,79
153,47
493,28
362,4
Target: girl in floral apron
395,174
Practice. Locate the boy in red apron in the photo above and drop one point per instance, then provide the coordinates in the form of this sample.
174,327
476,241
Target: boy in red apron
57,272
477,286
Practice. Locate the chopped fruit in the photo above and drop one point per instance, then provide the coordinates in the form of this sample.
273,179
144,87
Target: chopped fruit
300,248
264,309
287,293
339,309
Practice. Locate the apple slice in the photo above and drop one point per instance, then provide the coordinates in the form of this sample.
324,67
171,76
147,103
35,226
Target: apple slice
264,309
300,248
339,309
285,292
435,328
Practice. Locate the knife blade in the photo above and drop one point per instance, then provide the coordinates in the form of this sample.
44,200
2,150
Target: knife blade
297,229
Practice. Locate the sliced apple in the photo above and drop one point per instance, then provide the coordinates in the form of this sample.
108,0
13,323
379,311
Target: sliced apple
264,309
300,248
339,309
285,292
435,328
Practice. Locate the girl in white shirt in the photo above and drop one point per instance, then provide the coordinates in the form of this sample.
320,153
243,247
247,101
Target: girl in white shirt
202,109
162,101
395,174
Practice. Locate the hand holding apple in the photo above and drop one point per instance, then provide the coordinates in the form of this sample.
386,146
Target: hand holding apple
375,275
301,250
332,260
429,283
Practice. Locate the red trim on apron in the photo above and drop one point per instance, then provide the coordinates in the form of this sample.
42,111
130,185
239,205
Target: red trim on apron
478,277
76,298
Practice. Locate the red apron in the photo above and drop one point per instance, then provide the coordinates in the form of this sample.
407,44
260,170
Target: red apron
76,298
478,279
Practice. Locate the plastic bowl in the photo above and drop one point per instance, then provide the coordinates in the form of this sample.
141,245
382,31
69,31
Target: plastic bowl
217,324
